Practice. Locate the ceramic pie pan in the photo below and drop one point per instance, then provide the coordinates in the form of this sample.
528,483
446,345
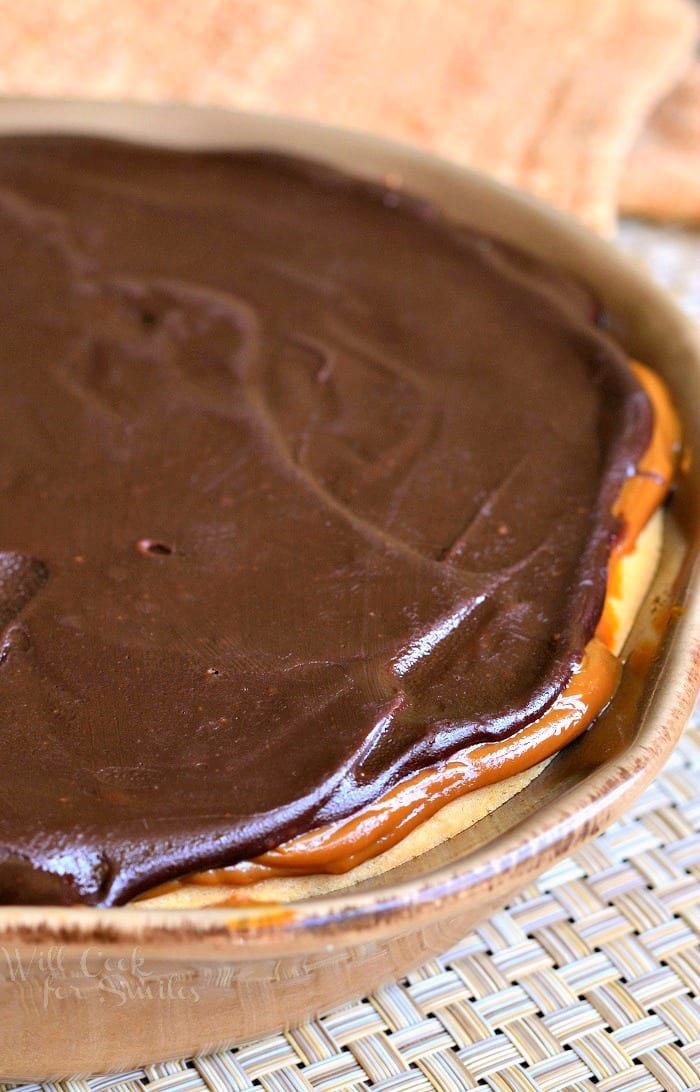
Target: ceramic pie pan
135,986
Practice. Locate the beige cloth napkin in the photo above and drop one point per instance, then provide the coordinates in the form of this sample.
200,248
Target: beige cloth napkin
546,94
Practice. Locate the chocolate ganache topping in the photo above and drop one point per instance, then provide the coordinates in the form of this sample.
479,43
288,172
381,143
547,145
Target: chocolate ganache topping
302,488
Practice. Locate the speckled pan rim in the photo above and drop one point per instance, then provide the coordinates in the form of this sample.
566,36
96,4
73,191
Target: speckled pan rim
579,813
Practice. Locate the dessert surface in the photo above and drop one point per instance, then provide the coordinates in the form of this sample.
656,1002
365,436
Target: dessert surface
302,488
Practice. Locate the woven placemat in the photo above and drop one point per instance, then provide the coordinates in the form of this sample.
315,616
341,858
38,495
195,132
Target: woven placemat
590,980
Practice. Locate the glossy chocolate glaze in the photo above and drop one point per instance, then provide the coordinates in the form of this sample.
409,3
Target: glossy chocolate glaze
301,489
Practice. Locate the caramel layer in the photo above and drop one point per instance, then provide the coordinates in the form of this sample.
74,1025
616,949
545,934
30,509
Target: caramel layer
643,493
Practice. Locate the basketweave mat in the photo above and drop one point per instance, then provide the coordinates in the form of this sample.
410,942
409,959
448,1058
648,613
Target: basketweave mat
589,980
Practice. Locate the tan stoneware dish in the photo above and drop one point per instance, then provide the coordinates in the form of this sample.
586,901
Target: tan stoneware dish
85,991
